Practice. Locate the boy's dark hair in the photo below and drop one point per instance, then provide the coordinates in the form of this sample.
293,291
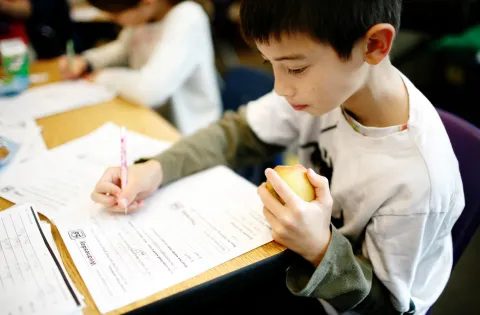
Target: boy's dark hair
339,23
115,6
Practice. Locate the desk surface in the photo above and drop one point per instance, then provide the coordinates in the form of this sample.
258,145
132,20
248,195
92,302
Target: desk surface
61,128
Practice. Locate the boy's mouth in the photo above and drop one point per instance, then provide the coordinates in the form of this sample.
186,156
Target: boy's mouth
299,107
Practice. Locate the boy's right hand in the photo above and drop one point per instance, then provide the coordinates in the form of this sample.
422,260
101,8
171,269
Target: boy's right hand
143,180
78,68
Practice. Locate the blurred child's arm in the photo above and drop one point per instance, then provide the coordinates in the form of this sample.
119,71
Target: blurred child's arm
109,55
176,55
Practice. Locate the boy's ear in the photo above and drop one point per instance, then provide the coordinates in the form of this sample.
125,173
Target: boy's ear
379,40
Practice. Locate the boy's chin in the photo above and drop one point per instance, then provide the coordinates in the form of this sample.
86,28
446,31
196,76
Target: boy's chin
317,111
320,110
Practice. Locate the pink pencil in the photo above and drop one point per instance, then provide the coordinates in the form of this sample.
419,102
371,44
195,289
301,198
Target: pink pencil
123,157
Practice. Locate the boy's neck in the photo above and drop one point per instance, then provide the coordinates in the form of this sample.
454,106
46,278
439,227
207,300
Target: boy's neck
383,100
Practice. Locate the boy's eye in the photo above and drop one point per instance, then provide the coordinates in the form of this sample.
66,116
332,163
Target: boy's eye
297,71
290,71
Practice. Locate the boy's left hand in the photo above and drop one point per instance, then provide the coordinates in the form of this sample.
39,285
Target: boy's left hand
303,227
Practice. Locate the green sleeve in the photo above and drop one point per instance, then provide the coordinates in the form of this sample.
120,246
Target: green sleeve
345,281
230,142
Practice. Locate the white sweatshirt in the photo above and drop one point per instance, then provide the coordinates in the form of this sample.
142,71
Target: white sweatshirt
399,194
172,58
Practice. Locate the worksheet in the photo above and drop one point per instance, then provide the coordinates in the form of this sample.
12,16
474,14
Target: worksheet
102,146
53,182
186,228
31,279
66,175
53,99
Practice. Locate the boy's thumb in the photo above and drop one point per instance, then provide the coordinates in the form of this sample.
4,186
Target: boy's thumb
316,180
128,194
322,187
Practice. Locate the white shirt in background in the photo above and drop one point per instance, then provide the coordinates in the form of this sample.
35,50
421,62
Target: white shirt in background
173,58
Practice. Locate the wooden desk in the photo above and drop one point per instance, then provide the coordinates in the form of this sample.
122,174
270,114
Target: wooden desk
61,128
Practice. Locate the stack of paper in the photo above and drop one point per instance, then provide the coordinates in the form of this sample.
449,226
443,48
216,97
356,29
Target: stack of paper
18,114
185,229
102,146
28,138
52,182
67,175
53,98
32,280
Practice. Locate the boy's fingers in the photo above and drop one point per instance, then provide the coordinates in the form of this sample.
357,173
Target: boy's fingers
111,175
133,207
106,200
269,201
104,187
322,187
272,220
129,193
282,188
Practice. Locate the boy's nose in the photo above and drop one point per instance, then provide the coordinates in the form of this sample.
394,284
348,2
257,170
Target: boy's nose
283,88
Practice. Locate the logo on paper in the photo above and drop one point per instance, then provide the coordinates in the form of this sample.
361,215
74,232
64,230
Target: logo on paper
76,234
86,252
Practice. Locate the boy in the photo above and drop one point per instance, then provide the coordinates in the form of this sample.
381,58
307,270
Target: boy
377,240
168,49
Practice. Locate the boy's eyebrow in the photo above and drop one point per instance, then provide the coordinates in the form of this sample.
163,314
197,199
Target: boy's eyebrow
291,57
288,57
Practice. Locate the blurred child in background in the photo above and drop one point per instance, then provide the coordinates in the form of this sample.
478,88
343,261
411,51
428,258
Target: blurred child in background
164,53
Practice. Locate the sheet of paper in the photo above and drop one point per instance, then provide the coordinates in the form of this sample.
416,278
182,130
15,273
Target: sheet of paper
27,134
54,98
66,175
11,111
31,280
53,182
186,228
102,146
32,146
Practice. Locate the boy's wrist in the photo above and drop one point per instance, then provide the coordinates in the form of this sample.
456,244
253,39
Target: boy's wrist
155,168
316,258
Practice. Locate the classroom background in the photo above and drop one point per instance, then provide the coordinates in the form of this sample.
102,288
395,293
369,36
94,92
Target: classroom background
438,48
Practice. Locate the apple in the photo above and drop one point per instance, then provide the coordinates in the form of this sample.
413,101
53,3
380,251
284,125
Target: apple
297,179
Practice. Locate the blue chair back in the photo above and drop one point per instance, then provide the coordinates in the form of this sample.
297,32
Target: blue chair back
241,85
